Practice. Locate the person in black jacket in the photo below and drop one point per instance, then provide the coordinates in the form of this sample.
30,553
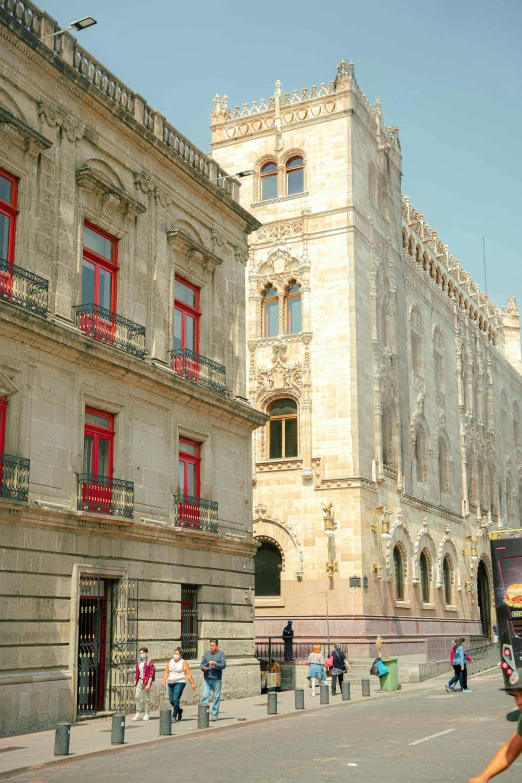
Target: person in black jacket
340,665
288,638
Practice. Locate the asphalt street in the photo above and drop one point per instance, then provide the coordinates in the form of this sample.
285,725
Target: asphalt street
423,737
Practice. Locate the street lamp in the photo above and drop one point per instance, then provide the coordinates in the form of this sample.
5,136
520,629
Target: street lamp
238,175
80,24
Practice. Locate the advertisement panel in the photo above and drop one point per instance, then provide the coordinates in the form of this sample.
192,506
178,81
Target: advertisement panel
506,556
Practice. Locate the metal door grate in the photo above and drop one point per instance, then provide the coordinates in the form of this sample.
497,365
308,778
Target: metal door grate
91,645
189,622
124,644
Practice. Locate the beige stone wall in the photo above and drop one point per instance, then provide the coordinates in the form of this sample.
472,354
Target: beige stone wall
85,147
366,299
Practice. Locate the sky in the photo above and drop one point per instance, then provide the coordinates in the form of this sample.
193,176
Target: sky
447,73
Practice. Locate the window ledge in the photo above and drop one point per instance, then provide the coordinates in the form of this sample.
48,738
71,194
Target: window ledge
450,608
261,602
428,606
294,463
402,604
279,199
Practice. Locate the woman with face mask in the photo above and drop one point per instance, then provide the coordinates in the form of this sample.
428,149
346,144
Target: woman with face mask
176,674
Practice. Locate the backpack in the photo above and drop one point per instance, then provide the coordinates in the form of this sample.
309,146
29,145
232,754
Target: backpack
375,667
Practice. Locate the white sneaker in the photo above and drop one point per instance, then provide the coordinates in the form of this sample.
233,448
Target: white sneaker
146,716
137,716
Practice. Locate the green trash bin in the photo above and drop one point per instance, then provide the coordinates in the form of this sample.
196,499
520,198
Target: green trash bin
390,681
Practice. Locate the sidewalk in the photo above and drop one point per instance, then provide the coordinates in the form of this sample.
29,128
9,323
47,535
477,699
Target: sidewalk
20,752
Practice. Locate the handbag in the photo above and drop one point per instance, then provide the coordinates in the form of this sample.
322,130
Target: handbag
330,662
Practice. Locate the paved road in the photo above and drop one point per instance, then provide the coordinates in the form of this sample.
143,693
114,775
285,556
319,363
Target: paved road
389,740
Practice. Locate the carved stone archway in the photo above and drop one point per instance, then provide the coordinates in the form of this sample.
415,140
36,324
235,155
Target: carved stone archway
261,518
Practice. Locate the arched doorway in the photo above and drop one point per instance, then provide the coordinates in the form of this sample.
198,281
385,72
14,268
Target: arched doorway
483,595
268,567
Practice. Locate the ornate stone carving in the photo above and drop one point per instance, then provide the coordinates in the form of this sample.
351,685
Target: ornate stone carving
57,118
261,516
15,131
281,377
196,254
112,199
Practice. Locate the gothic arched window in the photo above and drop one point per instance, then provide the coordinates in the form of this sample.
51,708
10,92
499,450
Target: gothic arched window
293,308
270,313
268,565
424,569
398,565
269,181
294,176
446,569
282,429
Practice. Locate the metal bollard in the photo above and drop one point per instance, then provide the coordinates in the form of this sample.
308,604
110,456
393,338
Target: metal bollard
203,716
165,722
345,691
271,704
118,729
299,698
61,739
324,695
365,687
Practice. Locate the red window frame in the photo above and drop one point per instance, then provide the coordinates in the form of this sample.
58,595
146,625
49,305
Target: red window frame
9,209
187,309
3,415
98,432
101,262
187,458
97,492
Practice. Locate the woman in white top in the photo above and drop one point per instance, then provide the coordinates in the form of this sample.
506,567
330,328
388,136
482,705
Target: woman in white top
176,674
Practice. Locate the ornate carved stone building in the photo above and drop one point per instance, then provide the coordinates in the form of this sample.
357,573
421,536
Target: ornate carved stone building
391,381
125,438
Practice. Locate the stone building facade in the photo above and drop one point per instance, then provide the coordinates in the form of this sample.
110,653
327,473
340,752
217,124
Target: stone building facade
125,481
393,387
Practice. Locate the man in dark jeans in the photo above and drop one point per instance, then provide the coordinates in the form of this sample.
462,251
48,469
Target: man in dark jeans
288,638
338,670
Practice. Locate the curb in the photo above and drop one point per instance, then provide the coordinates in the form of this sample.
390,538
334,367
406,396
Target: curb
216,729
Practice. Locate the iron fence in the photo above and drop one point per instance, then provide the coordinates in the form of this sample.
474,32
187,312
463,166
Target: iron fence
196,513
23,288
105,495
199,369
110,328
14,477
297,651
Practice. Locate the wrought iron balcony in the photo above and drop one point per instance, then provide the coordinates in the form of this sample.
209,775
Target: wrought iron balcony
105,495
196,513
23,288
198,369
110,328
14,477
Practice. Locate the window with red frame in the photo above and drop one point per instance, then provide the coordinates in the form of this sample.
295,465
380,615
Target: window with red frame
98,443
189,465
186,315
8,213
3,413
99,268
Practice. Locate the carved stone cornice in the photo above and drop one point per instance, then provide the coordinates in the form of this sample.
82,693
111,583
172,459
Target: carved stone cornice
15,131
143,182
112,198
195,252
55,118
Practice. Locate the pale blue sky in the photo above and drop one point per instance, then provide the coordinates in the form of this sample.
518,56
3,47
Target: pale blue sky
447,73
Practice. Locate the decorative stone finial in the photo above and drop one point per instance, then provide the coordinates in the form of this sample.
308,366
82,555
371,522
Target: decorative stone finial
344,74
277,91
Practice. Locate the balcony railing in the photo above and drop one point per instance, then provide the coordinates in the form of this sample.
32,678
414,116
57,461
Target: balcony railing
198,369
196,513
110,328
14,477
23,288
105,495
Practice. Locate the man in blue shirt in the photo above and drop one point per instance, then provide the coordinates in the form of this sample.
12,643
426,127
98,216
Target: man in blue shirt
212,665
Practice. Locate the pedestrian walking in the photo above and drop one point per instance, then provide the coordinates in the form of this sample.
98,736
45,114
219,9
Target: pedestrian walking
288,639
509,752
212,665
143,679
464,671
176,674
459,663
339,666
316,670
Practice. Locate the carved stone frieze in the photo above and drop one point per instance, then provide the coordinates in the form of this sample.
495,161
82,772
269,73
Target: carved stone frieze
15,131
57,118
196,254
112,199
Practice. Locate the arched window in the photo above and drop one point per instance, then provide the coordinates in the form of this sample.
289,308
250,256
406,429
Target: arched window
424,577
444,468
293,309
295,176
268,565
270,313
282,429
421,454
446,569
269,181
398,566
